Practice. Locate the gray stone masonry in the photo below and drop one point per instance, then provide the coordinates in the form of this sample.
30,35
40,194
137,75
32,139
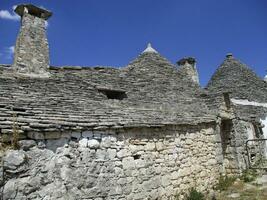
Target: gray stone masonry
31,56
235,77
187,66
134,164
240,82
144,131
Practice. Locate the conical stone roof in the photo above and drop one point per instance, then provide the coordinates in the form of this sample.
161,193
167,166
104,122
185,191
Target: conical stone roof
237,78
159,81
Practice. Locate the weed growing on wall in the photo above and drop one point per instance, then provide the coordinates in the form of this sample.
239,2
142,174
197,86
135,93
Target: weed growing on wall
248,175
194,195
15,133
225,182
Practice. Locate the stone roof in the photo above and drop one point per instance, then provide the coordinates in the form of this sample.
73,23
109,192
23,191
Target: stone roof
75,97
241,83
238,79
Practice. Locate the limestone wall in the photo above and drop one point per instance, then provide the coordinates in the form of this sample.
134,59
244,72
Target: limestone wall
248,125
234,150
147,163
237,156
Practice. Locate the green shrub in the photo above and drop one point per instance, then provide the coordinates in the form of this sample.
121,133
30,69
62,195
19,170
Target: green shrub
225,182
248,175
194,195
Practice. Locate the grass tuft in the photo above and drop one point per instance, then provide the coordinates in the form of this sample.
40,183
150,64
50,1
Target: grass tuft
225,182
194,195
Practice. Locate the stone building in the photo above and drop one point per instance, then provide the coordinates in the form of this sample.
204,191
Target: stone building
248,96
145,131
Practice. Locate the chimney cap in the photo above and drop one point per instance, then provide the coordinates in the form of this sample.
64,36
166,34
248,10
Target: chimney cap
33,10
229,55
189,60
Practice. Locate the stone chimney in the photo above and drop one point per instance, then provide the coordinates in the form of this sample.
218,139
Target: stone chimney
188,66
31,56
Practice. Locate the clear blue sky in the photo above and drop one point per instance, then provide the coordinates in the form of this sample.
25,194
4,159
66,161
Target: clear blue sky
114,32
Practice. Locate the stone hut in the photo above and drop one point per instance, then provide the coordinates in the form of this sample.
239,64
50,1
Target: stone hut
247,95
145,131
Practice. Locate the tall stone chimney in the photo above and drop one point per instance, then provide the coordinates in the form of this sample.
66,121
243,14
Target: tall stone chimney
31,56
188,67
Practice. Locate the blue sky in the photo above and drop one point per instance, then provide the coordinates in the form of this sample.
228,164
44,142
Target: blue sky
114,32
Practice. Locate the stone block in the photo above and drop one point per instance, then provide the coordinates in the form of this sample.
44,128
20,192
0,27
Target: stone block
14,159
174,175
27,144
87,134
111,153
184,172
106,142
150,146
36,135
165,180
9,189
140,163
160,146
97,134
212,162
118,173
93,144
83,143
123,153
52,135
128,163
101,154
76,135
66,135
55,143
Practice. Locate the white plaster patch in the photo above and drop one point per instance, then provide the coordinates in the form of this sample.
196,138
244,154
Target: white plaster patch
149,49
248,103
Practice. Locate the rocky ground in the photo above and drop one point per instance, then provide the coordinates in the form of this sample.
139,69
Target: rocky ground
240,190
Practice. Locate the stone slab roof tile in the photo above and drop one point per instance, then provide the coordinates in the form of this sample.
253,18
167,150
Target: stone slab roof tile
156,94
237,78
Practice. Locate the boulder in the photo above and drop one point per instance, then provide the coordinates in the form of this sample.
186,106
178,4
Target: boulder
26,144
14,159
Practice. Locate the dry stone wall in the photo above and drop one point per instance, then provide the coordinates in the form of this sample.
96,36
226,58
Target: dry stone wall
147,163
236,155
247,92
233,145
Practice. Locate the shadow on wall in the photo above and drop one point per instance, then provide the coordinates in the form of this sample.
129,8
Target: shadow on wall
226,129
